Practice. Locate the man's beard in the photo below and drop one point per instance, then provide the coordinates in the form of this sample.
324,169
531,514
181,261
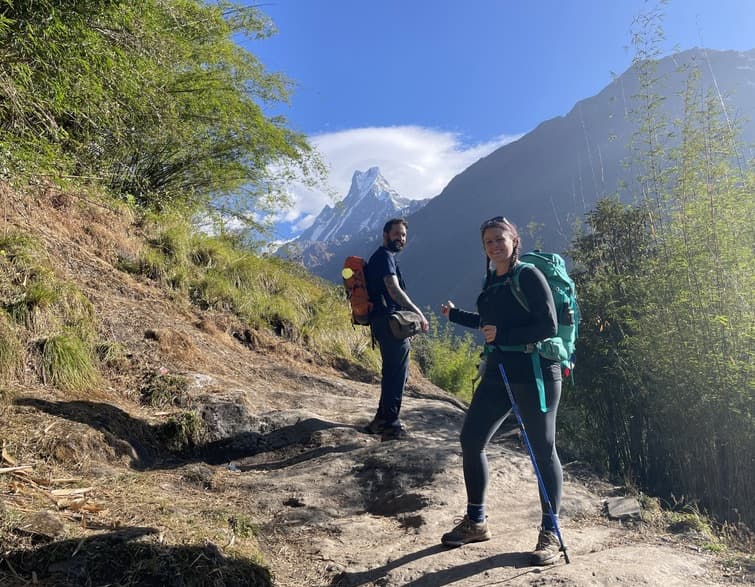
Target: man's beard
395,246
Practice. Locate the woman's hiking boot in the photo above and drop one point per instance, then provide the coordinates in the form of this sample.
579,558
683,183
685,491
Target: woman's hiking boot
465,532
548,549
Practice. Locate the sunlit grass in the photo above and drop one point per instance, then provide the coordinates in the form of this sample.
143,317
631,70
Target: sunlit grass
66,362
113,355
265,292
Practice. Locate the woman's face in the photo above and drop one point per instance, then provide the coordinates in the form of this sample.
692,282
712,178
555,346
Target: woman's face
499,245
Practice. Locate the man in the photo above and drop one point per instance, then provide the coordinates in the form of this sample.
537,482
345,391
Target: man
387,294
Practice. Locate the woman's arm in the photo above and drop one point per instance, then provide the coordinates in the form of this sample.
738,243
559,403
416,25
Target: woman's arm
468,319
454,314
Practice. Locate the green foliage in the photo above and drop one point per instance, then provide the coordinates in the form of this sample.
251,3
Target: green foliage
66,362
184,431
165,390
243,526
113,355
33,296
449,361
153,99
613,253
43,307
26,278
74,311
22,262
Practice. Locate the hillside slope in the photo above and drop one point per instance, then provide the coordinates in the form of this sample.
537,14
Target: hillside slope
283,489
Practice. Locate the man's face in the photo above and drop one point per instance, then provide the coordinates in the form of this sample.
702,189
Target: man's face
395,239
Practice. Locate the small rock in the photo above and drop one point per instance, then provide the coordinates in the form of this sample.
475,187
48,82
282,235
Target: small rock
199,474
43,523
623,508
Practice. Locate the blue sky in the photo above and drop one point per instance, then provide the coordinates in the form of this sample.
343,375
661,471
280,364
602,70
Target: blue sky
423,88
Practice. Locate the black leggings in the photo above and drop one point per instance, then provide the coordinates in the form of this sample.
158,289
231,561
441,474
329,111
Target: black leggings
486,413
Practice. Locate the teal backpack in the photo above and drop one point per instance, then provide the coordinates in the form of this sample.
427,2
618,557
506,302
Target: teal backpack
560,347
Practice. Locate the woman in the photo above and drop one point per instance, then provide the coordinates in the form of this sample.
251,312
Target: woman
506,323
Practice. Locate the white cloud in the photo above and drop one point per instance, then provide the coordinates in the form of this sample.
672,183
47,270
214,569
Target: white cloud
417,162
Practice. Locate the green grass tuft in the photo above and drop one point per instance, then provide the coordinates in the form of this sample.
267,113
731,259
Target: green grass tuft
449,361
113,355
66,362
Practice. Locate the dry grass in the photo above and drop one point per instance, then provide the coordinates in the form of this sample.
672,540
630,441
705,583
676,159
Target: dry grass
174,344
132,524
131,527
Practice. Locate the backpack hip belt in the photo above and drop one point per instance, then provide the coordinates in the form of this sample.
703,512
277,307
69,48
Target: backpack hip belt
533,350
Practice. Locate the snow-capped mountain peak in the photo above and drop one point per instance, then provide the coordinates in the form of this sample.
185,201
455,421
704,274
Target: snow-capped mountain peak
370,202
370,183
363,180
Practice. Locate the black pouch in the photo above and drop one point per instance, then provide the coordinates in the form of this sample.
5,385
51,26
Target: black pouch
404,324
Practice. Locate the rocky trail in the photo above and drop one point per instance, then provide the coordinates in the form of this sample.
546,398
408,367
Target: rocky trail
351,510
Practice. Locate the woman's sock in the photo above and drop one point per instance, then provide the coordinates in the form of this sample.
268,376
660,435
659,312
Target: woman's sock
476,512
549,523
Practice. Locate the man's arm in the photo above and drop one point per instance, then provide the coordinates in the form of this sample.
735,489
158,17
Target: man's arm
399,296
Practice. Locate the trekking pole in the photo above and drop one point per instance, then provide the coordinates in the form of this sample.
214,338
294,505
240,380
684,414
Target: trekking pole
540,482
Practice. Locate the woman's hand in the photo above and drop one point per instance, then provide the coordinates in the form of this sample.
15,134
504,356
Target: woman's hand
445,309
489,331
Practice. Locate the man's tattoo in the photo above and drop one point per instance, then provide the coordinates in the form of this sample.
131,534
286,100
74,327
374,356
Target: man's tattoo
397,294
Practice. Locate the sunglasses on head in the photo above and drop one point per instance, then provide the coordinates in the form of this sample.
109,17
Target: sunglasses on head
493,222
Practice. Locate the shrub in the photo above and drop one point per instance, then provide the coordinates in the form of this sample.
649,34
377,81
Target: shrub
183,432
113,355
449,361
164,390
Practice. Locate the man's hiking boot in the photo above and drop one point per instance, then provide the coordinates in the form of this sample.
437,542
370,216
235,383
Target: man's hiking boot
394,433
377,426
465,532
547,550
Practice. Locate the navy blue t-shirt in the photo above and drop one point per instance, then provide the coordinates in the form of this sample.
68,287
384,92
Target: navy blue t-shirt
382,263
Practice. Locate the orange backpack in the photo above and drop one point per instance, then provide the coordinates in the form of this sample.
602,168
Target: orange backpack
355,282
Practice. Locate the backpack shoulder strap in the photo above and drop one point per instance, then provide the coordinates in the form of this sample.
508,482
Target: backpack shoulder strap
516,287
